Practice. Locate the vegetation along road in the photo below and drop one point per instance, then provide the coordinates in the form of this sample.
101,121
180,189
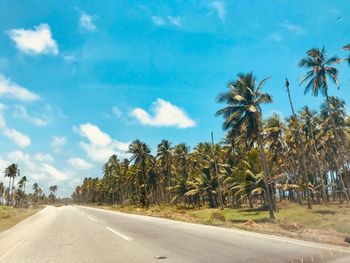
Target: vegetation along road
82,234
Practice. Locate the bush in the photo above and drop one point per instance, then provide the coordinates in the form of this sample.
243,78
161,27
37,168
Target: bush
217,216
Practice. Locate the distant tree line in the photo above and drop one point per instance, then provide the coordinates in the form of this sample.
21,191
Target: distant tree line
303,158
15,194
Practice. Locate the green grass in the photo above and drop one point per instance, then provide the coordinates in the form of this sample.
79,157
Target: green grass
10,216
329,224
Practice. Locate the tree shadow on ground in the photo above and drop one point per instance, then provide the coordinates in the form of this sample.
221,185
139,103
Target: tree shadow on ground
324,212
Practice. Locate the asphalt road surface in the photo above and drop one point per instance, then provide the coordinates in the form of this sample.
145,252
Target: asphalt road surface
81,234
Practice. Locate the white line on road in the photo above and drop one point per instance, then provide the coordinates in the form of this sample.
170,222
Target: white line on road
12,249
92,219
119,234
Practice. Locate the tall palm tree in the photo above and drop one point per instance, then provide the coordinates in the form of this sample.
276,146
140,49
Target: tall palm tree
309,123
333,111
165,156
22,187
243,112
12,171
2,192
141,155
299,143
320,70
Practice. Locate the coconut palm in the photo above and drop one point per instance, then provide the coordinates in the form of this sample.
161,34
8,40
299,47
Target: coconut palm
321,70
141,155
12,171
309,124
165,156
300,146
22,187
347,48
2,192
243,112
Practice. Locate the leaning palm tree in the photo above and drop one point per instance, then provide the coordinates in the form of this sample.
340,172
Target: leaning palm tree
141,155
12,171
243,112
300,145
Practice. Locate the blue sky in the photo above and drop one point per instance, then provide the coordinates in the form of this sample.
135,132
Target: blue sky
79,80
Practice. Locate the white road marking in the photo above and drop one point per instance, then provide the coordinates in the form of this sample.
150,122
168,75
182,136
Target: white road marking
119,234
92,219
233,230
12,249
299,243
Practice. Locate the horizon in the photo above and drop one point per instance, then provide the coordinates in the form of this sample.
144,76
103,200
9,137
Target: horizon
79,82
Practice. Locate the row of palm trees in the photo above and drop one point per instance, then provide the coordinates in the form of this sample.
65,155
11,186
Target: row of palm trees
303,158
17,196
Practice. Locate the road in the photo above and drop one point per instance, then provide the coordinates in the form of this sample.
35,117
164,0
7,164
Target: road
82,234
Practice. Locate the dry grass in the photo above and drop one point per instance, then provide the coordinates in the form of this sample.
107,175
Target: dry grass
10,216
326,224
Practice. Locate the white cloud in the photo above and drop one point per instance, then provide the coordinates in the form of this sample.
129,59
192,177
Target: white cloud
100,146
2,119
275,37
86,22
157,20
3,164
53,172
293,28
175,20
117,112
58,143
164,114
37,167
219,8
35,42
20,139
11,89
21,112
79,164
43,157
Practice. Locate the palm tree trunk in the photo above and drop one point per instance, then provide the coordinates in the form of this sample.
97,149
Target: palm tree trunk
301,154
266,176
324,196
338,144
9,196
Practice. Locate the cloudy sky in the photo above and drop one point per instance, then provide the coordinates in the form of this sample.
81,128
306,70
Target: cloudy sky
79,81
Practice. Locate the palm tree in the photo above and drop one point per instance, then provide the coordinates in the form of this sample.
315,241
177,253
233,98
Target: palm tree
309,123
243,112
165,156
12,171
36,189
22,186
2,192
300,146
321,69
347,47
141,155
